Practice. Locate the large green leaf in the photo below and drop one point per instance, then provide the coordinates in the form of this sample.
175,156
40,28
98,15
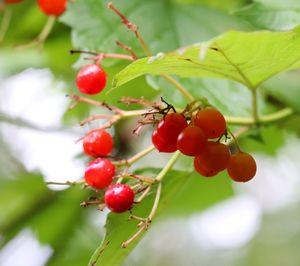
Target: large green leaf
273,15
193,197
100,28
249,58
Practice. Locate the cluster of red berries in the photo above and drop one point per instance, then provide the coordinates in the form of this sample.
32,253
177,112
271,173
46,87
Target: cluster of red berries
100,172
197,139
48,7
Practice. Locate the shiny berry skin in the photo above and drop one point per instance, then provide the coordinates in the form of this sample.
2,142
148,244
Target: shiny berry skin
99,173
191,141
13,1
202,171
241,167
211,121
52,7
91,79
214,157
119,198
170,127
97,143
161,144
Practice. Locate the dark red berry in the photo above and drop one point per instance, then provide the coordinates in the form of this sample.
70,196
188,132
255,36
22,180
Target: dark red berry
161,144
241,167
97,143
202,171
52,7
91,79
211,121
191,141
214,157
170,127
119,198
99,173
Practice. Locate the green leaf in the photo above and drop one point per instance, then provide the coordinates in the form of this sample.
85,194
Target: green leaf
273,15
100,28
199,193
118,229
249,58
182,193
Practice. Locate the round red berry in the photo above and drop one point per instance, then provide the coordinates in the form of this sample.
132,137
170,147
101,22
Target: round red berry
214,157
161,144
170,127
91,79
12,1
97,143
99,173
191,141
52,7
241,167
211,121
119,198
202,171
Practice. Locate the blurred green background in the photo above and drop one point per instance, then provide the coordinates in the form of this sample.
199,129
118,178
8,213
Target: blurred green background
209,222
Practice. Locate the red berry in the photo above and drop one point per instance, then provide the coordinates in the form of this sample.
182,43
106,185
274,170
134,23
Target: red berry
161,144
119,198
99,173
52,7
97,143
214,157
202,171
170,127
241,167
12,1
91,79
191,141
211,121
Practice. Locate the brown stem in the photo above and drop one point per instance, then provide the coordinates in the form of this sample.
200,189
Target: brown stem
128,49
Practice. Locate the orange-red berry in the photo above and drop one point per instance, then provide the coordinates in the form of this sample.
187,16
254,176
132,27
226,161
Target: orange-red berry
211,121
191,141
215,157
202,170
241,167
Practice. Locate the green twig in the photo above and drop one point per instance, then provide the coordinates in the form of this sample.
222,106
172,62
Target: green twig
264,119
168,166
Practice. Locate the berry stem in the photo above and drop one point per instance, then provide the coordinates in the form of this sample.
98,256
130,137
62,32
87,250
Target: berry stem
136,235
103,55
144,194
141,101
40,39
128,49
67,183
234,139
254,106
156,202
144,223
77,99
263,119
135,158
168,166
179,87
5,23
134,28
